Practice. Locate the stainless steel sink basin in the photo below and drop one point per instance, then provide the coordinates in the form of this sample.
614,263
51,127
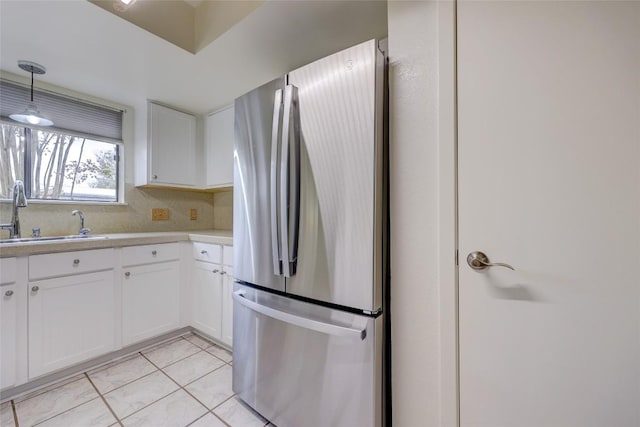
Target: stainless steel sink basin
52,238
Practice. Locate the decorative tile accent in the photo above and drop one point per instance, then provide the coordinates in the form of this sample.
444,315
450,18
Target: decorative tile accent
177,409
93,413
213,388
6,415
193,367
198,340
235,413
220,353
171,352
136,395
53,402
209,420
118,374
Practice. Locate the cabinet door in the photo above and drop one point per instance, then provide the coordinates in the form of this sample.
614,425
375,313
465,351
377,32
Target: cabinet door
172,148
70,320
219,147
207,298
227,306
150,300
7,336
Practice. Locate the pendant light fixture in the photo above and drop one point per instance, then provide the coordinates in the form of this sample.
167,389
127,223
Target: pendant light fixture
31,115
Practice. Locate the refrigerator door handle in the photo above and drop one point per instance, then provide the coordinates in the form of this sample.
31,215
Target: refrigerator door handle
285,183
292,127
303,322
275,232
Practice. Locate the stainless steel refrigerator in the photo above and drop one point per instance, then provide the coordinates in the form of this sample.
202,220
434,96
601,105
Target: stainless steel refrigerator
309,229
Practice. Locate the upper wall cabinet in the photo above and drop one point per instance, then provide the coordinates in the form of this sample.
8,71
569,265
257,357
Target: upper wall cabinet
219,131
171,151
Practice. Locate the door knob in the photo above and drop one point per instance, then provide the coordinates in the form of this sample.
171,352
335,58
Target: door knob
480,262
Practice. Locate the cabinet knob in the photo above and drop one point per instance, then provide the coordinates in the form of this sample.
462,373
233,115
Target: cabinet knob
155,176
154,253
216,271
8,293
203,252
76,261
223,272
127,274
35,289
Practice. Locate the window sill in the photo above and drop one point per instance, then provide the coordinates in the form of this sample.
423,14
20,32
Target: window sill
67,202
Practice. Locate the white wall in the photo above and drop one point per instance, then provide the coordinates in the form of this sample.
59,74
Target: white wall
422,173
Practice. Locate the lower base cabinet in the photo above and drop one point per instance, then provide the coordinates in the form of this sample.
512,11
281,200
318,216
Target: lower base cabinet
207,298
212,305
150,301
78,305
8,335
70,320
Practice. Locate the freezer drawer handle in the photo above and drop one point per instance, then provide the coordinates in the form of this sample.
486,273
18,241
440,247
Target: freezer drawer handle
303,322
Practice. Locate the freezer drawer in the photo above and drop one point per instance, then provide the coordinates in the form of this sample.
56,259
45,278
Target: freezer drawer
300,364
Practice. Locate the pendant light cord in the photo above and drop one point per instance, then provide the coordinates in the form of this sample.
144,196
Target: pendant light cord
31,85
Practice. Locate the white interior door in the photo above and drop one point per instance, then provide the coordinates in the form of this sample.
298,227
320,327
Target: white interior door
549,182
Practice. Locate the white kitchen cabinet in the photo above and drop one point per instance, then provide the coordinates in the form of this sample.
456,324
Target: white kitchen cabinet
150,291
71,300
219,134
207,298
172,148
70,320
8,312
212,287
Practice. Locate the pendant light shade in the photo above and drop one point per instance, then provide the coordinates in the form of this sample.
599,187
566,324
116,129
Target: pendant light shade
31,115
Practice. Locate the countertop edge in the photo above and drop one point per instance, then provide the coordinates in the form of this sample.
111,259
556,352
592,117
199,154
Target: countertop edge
223,237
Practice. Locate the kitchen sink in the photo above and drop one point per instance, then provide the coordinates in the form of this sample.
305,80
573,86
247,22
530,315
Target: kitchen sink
52,238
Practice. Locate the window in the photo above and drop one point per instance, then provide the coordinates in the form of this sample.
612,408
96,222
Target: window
76,160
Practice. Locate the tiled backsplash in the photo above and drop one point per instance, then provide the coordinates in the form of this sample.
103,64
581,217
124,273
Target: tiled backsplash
223,210
214,211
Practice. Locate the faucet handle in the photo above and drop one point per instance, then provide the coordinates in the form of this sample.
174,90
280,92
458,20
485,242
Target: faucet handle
35,232
84,231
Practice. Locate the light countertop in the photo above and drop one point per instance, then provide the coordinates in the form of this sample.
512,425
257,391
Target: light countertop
223,237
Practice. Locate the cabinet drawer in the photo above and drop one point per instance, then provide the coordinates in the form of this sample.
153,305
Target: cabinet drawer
227,255
148,254
7,270
67,263
207,252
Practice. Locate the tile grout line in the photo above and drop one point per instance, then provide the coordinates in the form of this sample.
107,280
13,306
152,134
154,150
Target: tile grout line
103,399
62,412
132,381
157,400
85,374
210,411
14,412
182,388
207,413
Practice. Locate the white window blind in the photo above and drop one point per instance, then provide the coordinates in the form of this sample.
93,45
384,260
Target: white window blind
68,114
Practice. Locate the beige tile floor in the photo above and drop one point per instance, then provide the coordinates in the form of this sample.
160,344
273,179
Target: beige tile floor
183,382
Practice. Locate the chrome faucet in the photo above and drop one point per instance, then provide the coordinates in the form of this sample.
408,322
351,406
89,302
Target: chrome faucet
19,201
83,231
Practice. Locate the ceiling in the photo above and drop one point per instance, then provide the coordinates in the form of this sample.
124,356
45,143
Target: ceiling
92,51
193,3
